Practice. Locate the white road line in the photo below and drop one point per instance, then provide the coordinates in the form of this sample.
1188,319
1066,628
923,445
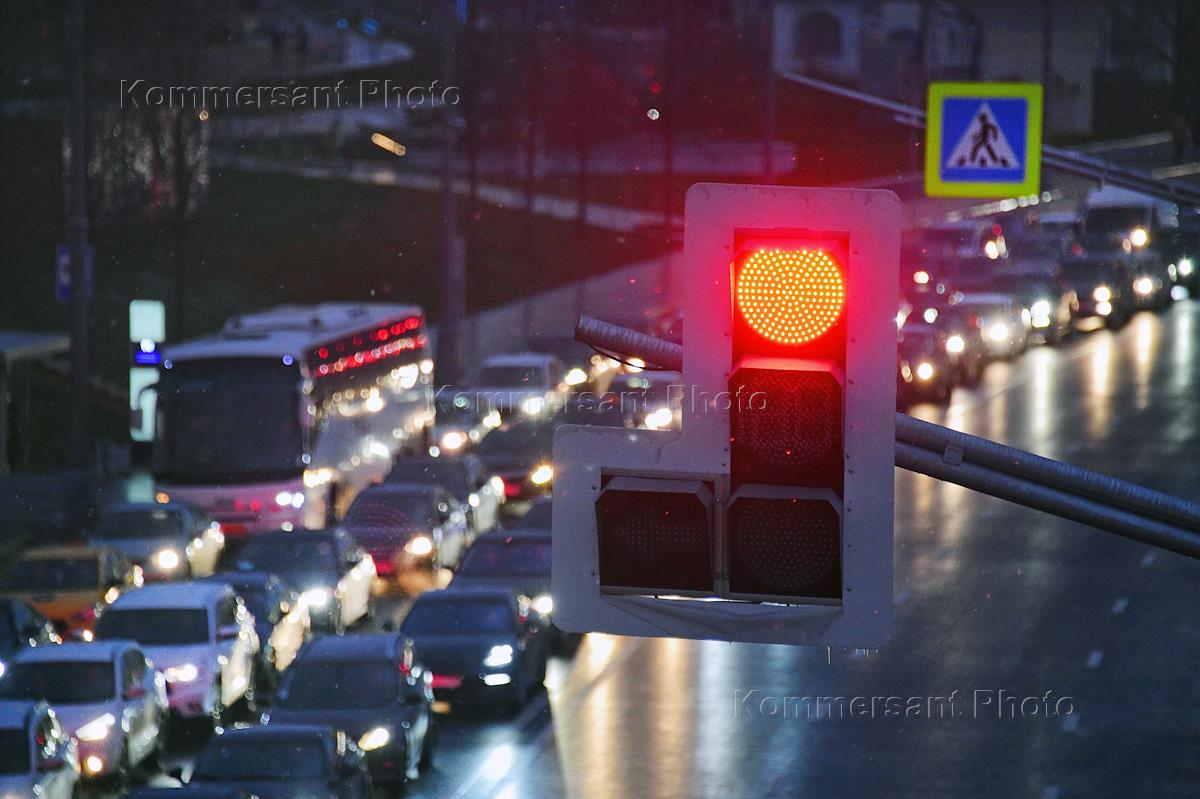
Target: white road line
1119,605
1149,558
1094,658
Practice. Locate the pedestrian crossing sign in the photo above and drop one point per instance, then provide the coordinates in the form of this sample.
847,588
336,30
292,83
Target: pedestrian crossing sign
983,139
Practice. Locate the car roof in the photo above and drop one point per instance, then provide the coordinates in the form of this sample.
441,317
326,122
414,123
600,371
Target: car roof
239,579
402,487
172,595
95,652
521,359
277,536
431,597
356,646
277,731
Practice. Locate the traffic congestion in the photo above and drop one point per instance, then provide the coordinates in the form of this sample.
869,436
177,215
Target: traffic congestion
377,553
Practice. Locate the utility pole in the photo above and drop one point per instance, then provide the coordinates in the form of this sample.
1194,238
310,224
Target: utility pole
453,277
77,240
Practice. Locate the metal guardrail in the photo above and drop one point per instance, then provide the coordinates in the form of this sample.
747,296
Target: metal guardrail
1061,489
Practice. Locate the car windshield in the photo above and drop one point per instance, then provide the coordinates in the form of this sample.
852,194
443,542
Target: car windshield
148,523
155,626
14,752
390,508
449,474
332,685
254,404
512,377
517,442
53,574
61,683
1113,220
288,555
540,516
459,617
500,558
285,759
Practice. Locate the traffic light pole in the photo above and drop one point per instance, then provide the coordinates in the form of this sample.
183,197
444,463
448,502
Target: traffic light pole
1069,492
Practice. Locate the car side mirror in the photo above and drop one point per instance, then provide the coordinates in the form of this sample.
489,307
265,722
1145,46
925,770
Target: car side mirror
134,692
228,632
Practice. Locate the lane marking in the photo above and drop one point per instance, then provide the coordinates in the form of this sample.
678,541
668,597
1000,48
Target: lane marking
1094,658
1119,604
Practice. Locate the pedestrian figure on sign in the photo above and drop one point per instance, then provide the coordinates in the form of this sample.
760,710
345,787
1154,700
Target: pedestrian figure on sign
982,140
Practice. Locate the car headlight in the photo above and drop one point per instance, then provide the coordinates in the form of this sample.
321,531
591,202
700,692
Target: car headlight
955,344
924,370
166,559
542,474
1143,285
1102,294
419,545
96,729
991,249
533,405
1138,237
998,331
543,604
374,739
498,656
3,668
1185,267
316,597
1040,308
659,419
575,377
186,672
453,440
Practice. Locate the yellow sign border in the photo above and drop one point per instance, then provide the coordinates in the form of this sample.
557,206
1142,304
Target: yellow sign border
938,93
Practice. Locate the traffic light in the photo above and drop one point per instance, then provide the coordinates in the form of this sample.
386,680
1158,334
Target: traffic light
768,516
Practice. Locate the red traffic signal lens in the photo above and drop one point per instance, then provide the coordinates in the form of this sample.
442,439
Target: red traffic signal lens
790,297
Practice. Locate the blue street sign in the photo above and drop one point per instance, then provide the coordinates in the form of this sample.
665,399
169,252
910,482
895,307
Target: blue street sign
62,271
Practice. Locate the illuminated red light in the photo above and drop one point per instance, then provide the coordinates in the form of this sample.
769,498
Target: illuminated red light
323,352
790,296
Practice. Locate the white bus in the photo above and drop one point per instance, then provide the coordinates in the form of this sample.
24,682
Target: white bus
282,417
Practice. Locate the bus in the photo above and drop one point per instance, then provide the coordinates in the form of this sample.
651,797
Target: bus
282,417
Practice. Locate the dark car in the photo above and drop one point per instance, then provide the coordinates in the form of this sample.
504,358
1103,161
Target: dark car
21,627
482,644
169,540
518,560
328,569
481,493
280,619
925,372
372,687
521,455
539,516
963,334
285,761
1104,287
408,528
1050,300
459,423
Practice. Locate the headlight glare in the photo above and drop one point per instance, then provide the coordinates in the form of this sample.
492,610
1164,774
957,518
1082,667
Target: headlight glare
498,656
167,559
96,729
374,739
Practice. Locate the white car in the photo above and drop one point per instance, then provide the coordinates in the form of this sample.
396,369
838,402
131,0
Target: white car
199,635
106,695
529,384
37,756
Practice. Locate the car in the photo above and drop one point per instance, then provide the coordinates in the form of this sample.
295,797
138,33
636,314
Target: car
374,688
586,369
1153,278
21,627
926,373
1040,239
522,455
284,761
460,423
280,619
482,645
1185,250
1103,286
170,541
528,385
408,528
1121,220
70,585
37,755
517,560
963,334
1048,298
967,238
464,477
650,399
539,516
1005,324
327,568
199,635
107,696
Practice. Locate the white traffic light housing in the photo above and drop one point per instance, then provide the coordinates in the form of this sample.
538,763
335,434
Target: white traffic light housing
768,517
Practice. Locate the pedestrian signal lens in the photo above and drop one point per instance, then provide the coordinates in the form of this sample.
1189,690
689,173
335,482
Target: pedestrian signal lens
790,296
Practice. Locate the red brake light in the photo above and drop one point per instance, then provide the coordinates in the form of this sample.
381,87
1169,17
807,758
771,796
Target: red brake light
790,296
